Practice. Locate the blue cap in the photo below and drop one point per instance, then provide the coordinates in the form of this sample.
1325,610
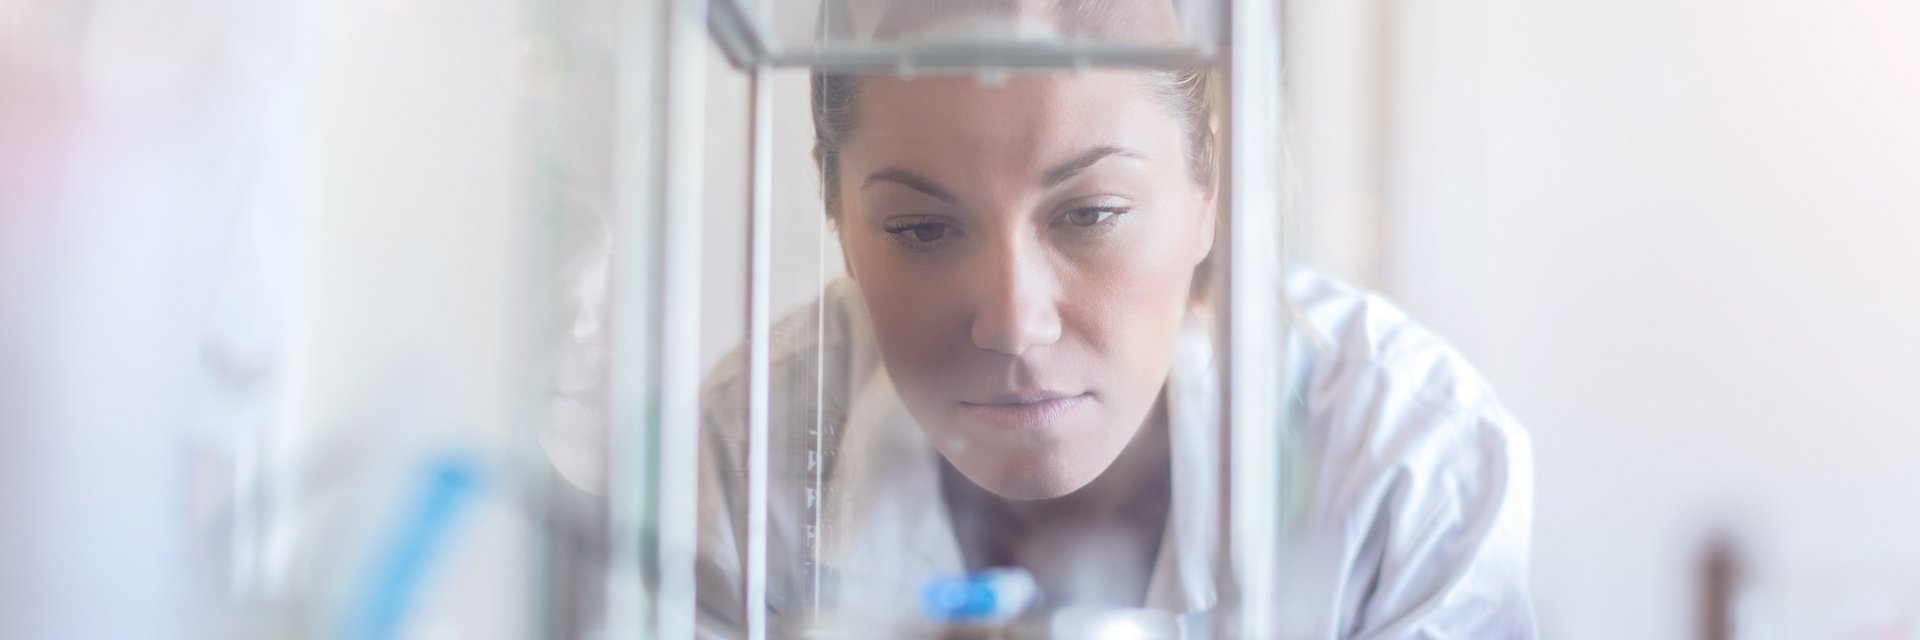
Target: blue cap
995,595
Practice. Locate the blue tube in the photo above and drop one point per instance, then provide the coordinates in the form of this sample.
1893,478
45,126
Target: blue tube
450,486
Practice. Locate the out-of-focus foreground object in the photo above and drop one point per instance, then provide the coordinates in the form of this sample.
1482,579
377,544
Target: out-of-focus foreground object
283,354
142,253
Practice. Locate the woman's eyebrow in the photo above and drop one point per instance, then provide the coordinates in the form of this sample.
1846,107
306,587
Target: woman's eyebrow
913,181
1073,167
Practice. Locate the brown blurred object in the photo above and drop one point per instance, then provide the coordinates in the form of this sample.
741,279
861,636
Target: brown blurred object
1722,576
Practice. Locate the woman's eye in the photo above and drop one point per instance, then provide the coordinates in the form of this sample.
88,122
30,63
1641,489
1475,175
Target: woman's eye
919,235
929,232
1090,216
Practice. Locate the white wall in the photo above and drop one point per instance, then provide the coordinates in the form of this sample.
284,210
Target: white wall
1680,238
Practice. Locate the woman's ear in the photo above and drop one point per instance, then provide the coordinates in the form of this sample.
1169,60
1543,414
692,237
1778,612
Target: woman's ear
1209,193
1209,217
1201,287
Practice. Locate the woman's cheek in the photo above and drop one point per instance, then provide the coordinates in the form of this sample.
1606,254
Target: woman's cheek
1144,274
909,318
1146,287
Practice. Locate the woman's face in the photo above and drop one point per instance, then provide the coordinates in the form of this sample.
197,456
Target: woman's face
1026,251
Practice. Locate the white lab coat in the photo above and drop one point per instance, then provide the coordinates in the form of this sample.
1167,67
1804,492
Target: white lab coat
1408,490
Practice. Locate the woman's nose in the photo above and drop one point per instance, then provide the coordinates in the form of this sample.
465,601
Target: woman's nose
1015,306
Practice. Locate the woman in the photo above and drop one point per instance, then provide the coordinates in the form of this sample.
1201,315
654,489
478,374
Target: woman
1018,373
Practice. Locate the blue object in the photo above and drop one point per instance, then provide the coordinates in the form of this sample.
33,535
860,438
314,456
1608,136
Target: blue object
450,484
992,596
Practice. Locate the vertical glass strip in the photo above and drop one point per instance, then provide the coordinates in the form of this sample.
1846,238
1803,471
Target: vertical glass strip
1254,326
679,383
640,171
759,339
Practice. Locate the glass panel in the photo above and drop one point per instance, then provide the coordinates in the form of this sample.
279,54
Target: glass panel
803,261
920,34
984,432
566,91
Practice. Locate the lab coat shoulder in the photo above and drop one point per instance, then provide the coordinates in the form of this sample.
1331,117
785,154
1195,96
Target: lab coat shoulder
1414,484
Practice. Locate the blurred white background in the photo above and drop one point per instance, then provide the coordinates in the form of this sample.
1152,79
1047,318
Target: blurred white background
1680,239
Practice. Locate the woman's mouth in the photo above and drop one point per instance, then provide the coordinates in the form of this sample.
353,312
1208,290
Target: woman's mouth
1021,410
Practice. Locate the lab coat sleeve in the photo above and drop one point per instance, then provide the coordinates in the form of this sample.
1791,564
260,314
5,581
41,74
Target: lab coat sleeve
1454,540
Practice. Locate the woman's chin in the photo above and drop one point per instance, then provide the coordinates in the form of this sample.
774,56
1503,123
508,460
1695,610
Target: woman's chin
1025,481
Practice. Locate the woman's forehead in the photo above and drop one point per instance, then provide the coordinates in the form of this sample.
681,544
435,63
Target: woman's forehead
1023,118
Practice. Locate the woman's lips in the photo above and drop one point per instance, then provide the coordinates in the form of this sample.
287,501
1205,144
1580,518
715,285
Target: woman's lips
1016,411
